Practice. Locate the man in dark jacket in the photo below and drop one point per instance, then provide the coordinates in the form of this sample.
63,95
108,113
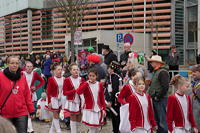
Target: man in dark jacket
158,91
124,56
173,60
109,56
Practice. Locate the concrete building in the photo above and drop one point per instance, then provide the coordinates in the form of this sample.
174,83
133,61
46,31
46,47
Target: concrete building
40,28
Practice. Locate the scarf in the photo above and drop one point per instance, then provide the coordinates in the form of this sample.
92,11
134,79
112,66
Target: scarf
12,76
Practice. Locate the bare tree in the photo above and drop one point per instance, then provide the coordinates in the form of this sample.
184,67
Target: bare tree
73,11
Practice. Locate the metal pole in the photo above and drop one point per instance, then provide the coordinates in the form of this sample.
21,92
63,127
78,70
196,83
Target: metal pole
145,25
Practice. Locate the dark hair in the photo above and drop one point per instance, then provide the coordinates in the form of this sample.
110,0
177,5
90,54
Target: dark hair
71,65
93,70
55,65
132,72
137,79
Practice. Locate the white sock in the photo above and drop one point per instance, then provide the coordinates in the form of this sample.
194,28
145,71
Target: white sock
30,126
78,125
52,129
57,125
73,126
93,130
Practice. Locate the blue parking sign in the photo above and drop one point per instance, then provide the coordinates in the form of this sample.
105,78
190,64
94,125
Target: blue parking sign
119,37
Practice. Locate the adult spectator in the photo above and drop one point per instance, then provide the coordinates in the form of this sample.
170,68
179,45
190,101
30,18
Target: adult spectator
124,56
173,59
198,59
109,56
196,93
47,67
94,62
15,98
158,91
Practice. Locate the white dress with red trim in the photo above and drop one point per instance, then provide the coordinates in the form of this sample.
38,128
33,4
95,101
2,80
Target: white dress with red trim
57,102
29,78
75,105
44,111
183,104
93,117
143,102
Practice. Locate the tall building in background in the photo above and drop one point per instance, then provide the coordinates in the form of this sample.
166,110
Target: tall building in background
29,26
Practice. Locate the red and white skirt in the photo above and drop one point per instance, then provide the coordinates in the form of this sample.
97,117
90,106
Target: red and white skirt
72,107
56,104
91,118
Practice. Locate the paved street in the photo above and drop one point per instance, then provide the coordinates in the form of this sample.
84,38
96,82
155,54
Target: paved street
41,127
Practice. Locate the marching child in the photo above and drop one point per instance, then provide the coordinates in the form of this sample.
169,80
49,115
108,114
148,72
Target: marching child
55,95
42,110
73,103
141,115
31,78
94,109
179,108
129,88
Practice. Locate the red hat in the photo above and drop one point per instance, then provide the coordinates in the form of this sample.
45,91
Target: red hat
94,58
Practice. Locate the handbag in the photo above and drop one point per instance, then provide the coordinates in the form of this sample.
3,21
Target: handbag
124,126
7,98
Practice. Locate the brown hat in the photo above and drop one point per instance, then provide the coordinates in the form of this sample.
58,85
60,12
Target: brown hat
156,58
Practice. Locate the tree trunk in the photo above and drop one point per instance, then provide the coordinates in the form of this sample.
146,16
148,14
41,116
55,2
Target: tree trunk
72,46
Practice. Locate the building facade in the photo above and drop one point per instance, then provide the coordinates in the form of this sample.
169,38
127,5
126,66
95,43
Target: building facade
44,28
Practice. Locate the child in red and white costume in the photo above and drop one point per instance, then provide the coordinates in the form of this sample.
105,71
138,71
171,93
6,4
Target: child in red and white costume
55,96
94,109
141,111
31,78
73,102
42,110
128,89
179,108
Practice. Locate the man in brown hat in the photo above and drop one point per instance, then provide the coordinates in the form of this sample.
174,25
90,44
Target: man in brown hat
158,91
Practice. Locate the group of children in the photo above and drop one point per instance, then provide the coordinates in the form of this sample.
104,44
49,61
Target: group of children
85,102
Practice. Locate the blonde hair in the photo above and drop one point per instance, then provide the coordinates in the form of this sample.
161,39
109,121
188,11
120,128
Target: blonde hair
6,126
177,80
11,56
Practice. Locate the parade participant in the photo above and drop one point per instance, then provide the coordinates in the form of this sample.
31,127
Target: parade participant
55,95
15,98
158,91
94,62
73,103
94,110
196,93
179,108
128,89
42,111
113,82
141,113
31,78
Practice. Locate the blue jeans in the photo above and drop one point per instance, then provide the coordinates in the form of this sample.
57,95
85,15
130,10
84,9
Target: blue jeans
160,114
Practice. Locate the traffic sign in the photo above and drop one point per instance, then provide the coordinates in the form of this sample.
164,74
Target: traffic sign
128,37
119,37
